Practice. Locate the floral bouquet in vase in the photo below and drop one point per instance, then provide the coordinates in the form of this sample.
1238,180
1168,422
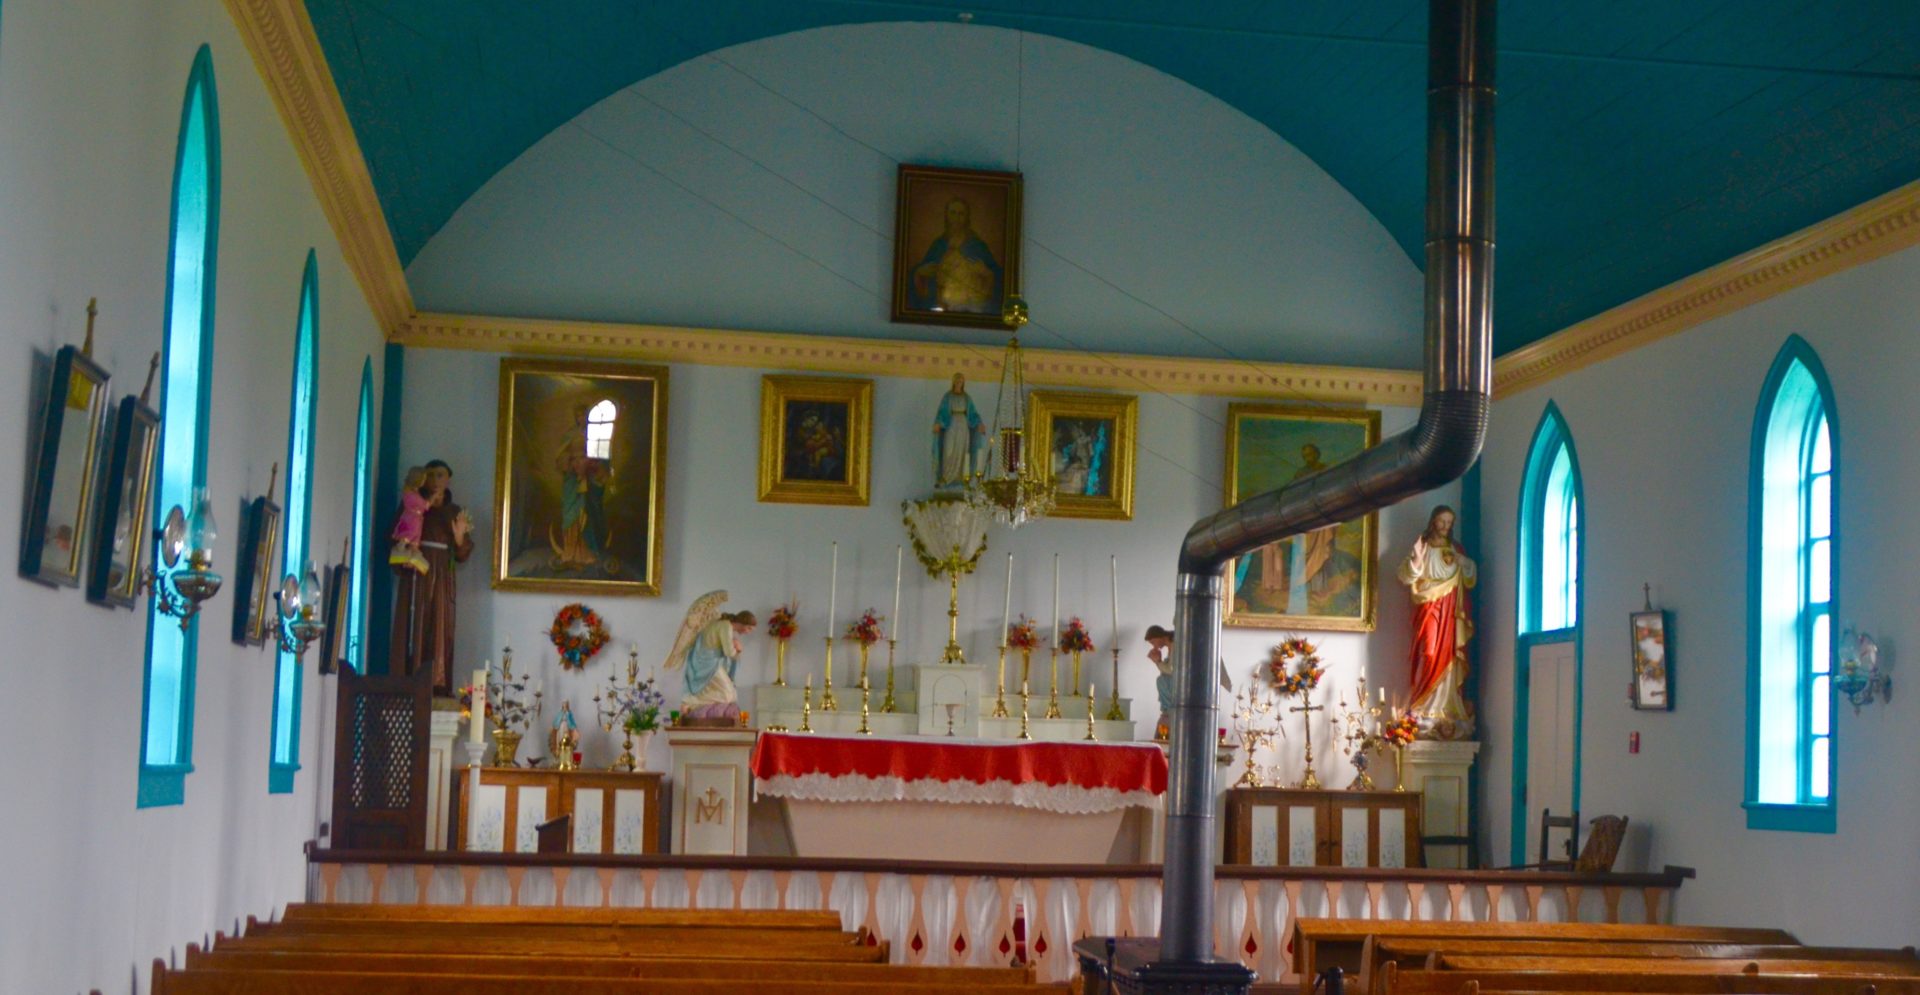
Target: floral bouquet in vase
782,626
1399,734
1022,635
1075,640
865,630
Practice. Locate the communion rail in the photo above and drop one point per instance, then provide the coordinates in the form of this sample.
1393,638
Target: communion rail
941,913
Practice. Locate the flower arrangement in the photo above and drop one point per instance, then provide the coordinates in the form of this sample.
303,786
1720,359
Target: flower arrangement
578,633
1404,729
1294,666
865,630
635,706
1075,638
780,623
1021,634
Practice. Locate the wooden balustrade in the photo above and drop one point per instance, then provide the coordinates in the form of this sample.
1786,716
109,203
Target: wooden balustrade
944,913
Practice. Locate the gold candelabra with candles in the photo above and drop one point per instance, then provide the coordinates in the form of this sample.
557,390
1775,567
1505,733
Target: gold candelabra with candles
1251,711
1360,727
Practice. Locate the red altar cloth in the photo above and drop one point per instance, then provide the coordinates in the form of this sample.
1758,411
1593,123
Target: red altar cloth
1056,777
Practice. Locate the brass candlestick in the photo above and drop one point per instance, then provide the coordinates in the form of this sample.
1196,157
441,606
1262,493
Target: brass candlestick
1000,689
1091,738
1025,733
806,706
953,652
626,761
827,704
779,663
1114,712
864,692
1053,682
886,704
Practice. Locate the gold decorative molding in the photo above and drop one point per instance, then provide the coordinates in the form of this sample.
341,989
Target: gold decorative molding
288,55
891,357
1885,224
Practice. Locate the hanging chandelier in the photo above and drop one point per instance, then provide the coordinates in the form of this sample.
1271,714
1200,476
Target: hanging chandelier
1013,487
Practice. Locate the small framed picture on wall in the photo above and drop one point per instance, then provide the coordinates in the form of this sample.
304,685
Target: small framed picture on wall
1652,661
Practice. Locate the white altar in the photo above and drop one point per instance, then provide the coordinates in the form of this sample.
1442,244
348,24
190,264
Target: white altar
934,699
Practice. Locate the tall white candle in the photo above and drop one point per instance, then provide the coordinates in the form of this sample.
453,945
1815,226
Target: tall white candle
1006,608
1055,631
899,557
833,589
1113,572
477,721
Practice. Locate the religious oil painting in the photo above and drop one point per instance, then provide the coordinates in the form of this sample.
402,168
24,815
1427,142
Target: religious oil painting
579,477
1321,580
956,250
60,485
1652,662
1089,448
120,539
254,612
816,439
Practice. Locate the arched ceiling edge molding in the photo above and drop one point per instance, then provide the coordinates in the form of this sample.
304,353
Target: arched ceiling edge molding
285,49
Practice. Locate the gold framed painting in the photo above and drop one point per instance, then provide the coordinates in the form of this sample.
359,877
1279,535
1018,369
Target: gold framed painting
1088,440
580,454
816,439
956,246
1324,579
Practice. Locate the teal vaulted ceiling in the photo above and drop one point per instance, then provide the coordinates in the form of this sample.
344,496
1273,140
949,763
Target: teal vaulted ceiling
1639,140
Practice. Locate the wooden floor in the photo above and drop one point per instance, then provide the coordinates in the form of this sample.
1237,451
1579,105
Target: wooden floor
461,950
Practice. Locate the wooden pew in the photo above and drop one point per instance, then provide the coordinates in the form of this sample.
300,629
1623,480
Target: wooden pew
1420,951
538,930
1641,966
217,982
1350,943
715,947
755,918
496,965
1395,981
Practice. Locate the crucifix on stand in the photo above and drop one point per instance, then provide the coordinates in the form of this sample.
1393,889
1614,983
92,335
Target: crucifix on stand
1311,781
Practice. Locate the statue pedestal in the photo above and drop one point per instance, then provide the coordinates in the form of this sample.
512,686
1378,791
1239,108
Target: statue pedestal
1438,769
710,787
442,731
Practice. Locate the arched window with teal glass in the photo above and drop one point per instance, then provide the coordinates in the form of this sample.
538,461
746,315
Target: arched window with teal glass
354,615
1551,558
186,382
1792,564
296,542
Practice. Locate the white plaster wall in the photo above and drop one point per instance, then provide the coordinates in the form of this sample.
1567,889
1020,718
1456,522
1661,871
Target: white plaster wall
754,188
90,98
719,536
1663,435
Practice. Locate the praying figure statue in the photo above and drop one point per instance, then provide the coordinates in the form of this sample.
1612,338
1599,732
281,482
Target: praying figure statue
958,436
708,646
1439,576
1161,639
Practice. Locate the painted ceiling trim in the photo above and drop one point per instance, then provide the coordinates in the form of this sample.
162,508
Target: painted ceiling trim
927,360
1885,224
287,52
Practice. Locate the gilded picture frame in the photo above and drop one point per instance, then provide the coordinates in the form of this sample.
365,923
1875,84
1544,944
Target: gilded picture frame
937,283
580,456
1651,635
1089,442
254,611
120,534
816,440
1325,579
60,489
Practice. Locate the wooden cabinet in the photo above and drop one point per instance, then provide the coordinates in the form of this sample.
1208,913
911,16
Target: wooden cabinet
612,811
1287,827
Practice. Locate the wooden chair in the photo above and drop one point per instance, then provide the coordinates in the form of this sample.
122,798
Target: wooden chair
1603,845
1550,822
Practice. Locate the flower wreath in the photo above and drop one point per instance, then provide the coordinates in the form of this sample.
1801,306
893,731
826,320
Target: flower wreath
1294,666
578,633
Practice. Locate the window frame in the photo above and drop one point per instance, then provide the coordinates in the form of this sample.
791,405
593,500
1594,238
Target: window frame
163,782
297,523
1805,815
360,555
1550,437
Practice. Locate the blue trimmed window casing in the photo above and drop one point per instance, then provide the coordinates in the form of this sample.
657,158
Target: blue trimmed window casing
186,383
355,614
1552,547
1793,556
285,760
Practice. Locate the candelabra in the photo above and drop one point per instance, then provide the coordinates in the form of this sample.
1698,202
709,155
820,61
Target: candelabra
827,704
1090,696
864,692
619,701
806,706
1360,728
1114,711
1053,682
1000,687
1250,711
1025,733
887,707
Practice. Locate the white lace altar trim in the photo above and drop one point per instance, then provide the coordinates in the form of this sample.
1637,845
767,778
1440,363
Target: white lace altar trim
1065,799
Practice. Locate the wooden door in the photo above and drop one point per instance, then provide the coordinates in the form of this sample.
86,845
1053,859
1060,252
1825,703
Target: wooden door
1552,686
380,761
